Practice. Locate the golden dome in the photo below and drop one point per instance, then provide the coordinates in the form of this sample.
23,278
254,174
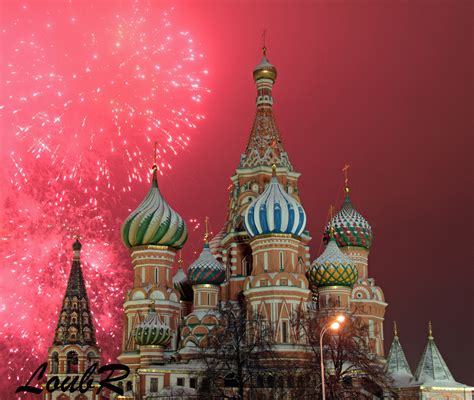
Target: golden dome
264,70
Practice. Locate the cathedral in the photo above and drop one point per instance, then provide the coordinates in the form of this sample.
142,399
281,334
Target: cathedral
261,253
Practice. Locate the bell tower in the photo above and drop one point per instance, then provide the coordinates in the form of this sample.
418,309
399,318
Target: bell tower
252,176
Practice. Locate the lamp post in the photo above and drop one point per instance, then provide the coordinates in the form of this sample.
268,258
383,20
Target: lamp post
333,325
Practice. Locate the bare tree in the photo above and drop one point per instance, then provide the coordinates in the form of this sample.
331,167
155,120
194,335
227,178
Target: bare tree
239,356
352,371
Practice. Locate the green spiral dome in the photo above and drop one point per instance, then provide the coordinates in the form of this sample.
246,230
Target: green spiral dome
154,222
152,332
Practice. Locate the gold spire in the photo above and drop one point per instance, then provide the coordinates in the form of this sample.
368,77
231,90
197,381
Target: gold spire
430,330
395,330
264,47
206,233
331,227
274,170
180,259
346,178
155,148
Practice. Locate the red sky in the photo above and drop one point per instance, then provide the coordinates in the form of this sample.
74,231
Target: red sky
385,86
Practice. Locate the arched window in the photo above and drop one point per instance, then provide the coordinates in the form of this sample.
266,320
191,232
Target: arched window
90,359
87,333
129,386
54,363
72,362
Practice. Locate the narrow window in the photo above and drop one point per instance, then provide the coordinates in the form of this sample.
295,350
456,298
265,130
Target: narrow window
54,363
371,329
284,332
156,275
265,261
154,385
180,382
282,265
193,383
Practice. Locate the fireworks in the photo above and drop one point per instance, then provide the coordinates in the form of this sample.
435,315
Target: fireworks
85,92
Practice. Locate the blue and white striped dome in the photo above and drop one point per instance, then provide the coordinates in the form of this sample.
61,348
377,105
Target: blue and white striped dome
275,211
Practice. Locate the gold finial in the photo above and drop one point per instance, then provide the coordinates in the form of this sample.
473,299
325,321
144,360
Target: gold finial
155,148
274,170
331,226
180,258
346,178
152,305
206,233
395,330
264,47
430,330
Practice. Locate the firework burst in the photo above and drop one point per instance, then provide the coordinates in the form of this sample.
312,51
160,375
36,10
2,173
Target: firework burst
85,92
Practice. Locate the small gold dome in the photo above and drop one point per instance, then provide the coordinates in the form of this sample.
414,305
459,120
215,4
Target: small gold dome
264,70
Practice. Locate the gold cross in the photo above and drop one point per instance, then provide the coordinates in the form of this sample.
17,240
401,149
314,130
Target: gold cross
264,34
154,152
206,223
346,177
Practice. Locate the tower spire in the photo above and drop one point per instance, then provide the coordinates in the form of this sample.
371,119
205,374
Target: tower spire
432,366
264,146
395,330
75,321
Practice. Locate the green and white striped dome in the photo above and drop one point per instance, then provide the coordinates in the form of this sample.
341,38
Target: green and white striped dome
152,331
154,222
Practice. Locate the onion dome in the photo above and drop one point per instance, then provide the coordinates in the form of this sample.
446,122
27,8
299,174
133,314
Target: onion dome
181,283
152,331
206,269
333,268
275,211
154,222
350,228
264,70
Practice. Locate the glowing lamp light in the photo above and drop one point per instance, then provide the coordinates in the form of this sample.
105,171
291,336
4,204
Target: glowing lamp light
340,318
335,326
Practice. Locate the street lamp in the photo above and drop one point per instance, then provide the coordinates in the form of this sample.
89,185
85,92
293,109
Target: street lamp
334,326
